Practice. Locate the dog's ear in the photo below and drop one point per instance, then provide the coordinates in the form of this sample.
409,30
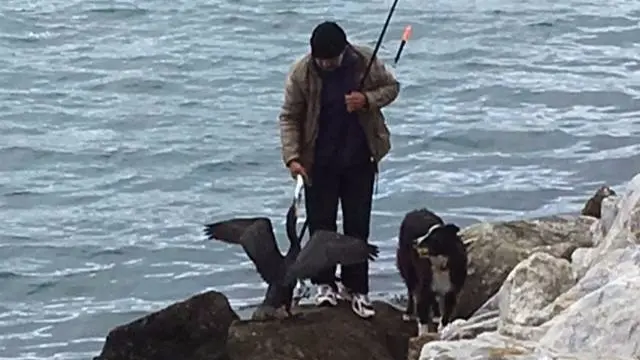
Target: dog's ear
452,227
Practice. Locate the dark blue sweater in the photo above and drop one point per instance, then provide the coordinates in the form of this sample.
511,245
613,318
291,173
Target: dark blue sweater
341,142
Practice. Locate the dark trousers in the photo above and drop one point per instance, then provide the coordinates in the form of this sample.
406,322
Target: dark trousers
354,188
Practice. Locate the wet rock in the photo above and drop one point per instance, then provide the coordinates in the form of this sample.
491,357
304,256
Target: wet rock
175,332
324,333
496,248
550,309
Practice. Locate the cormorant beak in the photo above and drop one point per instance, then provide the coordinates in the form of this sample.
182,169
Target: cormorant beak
297,193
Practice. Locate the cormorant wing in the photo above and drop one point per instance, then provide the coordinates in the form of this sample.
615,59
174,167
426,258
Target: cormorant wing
327,248
256,237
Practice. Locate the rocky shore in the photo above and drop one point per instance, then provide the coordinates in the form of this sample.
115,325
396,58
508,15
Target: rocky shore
561,287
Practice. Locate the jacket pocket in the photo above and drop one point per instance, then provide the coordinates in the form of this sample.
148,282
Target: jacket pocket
381,138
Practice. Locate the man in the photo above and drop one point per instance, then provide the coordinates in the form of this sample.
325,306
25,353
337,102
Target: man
335,136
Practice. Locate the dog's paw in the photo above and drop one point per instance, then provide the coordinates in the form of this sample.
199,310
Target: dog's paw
424,330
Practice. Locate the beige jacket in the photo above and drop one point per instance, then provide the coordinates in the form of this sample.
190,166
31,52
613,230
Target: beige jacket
301,108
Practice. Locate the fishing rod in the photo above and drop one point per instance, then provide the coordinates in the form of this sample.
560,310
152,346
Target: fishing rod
375,50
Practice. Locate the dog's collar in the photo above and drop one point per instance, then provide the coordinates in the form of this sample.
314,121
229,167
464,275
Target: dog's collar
429,232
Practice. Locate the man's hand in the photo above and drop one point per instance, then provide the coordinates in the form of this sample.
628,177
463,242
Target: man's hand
295,168
355,101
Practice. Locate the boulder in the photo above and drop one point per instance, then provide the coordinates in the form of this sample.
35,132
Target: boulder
204,327
496,248
324,333
532,285
175,332
549,308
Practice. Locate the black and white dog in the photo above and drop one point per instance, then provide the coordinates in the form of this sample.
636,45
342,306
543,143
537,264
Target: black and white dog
432,260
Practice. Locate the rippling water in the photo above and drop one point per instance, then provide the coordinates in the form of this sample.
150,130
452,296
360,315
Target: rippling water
123,128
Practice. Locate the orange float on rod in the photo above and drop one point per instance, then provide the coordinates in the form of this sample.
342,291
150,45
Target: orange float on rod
405,37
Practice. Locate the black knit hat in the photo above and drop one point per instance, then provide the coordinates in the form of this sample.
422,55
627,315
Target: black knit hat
328,40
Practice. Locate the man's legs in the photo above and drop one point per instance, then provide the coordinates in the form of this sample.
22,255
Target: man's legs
356,197
321,202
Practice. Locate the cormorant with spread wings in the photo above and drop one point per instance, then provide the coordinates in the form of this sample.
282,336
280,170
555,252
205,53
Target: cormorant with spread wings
324,249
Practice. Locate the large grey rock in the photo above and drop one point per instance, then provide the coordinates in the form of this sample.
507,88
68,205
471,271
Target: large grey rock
522,303
605,319
550,309
496,248
530,287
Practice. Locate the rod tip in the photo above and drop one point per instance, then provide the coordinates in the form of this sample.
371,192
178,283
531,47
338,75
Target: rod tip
407,33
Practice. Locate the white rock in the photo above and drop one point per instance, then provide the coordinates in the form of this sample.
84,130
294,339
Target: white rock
550,309
606,319
533,284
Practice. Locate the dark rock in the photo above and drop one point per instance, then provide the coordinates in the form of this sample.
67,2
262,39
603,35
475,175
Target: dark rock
322,334
204,327
175,332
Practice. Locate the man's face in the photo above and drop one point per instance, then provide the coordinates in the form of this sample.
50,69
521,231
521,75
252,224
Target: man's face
330,64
